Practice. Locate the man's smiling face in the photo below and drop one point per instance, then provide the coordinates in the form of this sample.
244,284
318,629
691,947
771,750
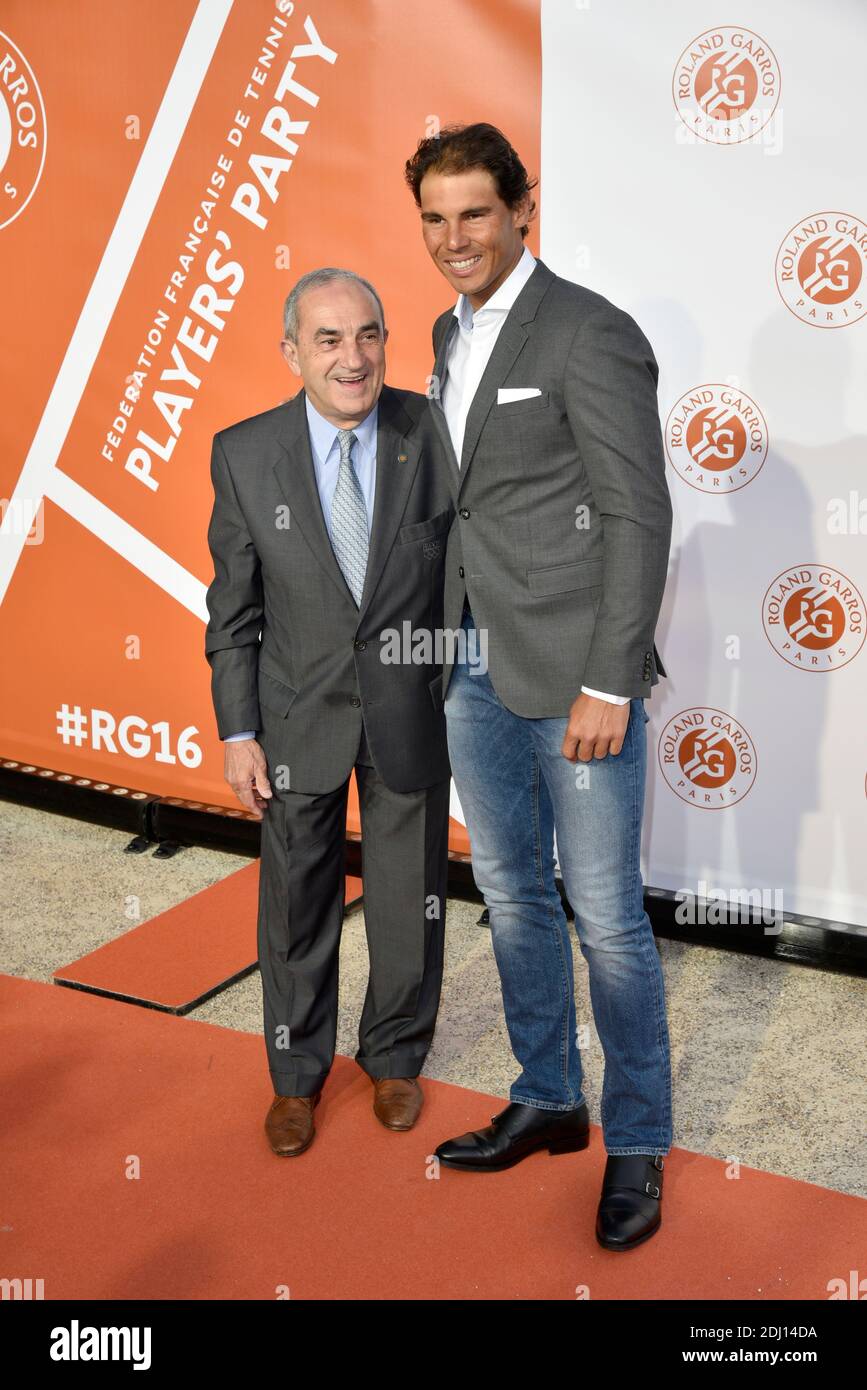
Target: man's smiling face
473,238
340,351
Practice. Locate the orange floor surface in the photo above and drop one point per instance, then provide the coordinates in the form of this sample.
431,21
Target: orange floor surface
135,1166
177,959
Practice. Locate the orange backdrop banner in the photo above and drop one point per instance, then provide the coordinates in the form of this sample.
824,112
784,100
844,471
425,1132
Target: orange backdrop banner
167,174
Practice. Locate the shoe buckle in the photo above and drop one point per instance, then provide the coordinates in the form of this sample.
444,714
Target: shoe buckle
657,1162
650,1190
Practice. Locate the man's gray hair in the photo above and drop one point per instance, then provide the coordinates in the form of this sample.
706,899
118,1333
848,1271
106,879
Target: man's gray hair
311,281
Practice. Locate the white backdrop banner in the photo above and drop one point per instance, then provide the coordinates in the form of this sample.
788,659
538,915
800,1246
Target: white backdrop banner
710,180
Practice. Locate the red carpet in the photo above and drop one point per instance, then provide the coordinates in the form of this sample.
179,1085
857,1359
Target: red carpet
92,1086
177,959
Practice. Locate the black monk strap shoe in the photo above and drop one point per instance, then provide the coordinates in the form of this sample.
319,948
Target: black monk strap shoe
517,1131
630,1208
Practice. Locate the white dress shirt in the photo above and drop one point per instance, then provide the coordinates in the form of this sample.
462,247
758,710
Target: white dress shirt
325,447
469,351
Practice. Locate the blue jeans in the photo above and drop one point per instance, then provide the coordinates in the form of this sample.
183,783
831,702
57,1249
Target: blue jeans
516,790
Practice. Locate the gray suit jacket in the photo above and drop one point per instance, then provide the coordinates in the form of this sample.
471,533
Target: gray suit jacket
564,605
290,654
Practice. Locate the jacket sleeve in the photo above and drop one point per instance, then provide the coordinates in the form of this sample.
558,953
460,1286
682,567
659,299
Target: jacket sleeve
235,606
610,389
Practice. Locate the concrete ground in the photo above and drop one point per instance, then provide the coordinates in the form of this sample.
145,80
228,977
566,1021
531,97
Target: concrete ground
767,1057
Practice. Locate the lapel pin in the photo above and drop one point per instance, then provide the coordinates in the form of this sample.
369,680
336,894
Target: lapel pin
401,458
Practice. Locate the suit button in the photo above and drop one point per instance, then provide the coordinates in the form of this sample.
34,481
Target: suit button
360,646
464,513
461,571
355,700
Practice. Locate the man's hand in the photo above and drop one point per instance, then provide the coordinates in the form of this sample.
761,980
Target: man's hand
595,729
246,772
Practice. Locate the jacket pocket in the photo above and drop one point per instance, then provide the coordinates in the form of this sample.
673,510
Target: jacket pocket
525,407
559,579
421,530
275,694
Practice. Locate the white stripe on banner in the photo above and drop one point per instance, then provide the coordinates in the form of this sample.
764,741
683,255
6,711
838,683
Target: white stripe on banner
37,477
129,543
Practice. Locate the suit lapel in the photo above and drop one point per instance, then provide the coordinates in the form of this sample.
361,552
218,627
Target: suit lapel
296,478
510,340
436,406
397,456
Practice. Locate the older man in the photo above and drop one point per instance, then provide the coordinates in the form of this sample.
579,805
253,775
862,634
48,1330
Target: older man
328,534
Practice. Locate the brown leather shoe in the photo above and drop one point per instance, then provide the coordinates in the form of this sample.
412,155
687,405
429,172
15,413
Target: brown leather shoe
289,1124
397,1101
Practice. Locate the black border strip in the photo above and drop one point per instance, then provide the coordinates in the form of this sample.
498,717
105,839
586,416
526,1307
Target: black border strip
797,938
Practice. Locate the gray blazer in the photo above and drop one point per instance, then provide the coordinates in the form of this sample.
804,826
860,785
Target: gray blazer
563,605
290,654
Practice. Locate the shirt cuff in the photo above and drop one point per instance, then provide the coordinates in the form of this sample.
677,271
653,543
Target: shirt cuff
602,695
233,738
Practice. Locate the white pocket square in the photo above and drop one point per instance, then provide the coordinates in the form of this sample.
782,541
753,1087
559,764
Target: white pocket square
516,393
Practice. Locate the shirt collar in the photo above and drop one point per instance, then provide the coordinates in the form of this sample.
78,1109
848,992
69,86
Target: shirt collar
503,298
323,433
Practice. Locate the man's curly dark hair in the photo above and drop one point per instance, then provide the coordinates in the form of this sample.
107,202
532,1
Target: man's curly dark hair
479,146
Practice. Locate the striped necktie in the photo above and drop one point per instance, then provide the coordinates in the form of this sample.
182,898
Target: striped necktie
349,537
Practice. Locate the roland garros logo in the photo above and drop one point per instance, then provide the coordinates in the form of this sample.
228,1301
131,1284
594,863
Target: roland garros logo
813,617
716,438
726,85
820,267
707,758
22,132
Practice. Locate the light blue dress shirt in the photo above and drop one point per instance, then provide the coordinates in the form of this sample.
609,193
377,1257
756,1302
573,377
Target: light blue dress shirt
326,458
325,447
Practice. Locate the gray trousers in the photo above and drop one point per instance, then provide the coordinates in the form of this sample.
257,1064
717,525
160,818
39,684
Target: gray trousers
404,851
